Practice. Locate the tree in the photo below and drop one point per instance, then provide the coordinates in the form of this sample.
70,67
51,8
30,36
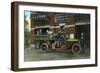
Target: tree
27,35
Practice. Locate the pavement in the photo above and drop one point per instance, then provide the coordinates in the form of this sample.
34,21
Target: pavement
36,55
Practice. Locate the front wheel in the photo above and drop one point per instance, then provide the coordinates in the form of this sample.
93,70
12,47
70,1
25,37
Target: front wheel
44,47
76,48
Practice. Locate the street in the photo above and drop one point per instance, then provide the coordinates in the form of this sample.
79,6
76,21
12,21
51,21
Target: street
37,55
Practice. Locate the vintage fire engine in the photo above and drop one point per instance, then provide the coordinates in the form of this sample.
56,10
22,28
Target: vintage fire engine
58,42
55,41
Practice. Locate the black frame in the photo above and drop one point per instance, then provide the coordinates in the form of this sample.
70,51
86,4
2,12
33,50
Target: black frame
14,35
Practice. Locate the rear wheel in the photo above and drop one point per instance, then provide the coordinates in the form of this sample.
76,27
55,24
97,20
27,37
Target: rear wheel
44,47
76,48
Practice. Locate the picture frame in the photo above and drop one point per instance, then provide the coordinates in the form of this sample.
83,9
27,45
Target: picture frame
76,21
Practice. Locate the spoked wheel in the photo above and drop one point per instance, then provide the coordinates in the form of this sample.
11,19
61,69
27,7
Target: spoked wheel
44,47
76,48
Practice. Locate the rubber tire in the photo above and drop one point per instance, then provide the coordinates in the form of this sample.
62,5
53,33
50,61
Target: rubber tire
78,48
44,47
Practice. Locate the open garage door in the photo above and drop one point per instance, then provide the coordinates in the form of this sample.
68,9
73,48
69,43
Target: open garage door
83,32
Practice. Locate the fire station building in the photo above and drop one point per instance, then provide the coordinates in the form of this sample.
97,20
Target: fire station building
70,23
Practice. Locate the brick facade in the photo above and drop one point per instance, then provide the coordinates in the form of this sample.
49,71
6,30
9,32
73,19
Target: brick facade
54,26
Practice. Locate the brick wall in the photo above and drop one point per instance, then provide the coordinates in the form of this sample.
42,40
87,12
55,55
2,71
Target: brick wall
55,26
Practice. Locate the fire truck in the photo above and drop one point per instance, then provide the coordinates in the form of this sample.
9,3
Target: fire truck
58,42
